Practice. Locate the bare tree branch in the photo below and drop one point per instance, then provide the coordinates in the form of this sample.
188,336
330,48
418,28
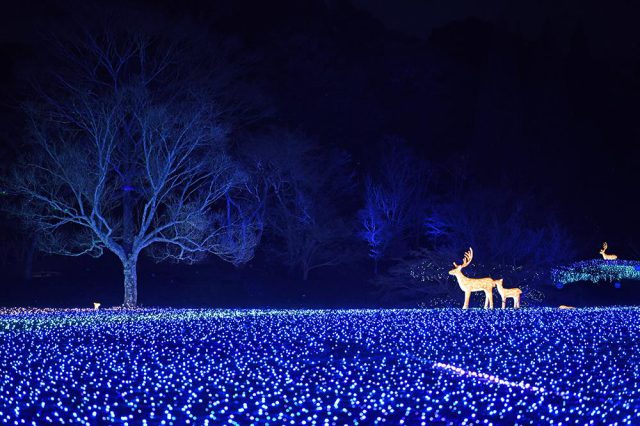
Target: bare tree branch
128,152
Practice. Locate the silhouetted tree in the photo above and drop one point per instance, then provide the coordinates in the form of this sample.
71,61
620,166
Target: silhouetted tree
508,227
512,236
395,201
307,187
375,231
128,152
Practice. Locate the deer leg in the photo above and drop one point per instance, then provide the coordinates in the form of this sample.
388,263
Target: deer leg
516,302
488,299
467,295
504,303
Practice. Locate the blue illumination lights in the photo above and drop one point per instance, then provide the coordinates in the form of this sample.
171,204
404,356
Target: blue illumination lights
354,367
597,270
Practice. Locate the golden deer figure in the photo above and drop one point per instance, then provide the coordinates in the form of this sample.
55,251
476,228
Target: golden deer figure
606,256
469,285
509,293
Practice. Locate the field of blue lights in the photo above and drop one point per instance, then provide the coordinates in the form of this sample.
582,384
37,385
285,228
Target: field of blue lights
532,366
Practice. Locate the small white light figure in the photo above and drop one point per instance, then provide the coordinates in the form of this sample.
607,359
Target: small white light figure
606,256
96,306
506,293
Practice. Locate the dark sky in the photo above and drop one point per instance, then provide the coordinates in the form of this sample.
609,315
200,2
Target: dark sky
591,174
612,27
612,38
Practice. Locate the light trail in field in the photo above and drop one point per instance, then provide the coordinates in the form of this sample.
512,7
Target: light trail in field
488,377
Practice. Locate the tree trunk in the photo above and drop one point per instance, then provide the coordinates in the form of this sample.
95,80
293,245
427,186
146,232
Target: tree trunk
130,283
127,216
130,274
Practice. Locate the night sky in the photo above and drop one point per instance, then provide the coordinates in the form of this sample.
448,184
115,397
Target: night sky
537,98
590,175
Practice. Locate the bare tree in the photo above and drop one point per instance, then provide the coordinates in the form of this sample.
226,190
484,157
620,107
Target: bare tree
503,224
306,186
128,152
395,201
375,230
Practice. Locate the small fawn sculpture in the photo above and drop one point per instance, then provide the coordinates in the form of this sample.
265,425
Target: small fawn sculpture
606,256
506,293
469,285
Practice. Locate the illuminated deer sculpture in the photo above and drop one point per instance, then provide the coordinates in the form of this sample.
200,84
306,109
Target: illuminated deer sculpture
509,293
469,285
606,256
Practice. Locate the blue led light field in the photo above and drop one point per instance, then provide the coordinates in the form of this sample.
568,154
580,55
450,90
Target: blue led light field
532,366
597,270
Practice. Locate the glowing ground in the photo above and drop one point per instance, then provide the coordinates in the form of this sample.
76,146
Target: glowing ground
533,366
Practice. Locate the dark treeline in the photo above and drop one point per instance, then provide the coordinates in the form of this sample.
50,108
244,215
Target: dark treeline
352,164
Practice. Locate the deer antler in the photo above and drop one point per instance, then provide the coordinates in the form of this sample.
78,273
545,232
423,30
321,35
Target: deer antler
604,246
468,256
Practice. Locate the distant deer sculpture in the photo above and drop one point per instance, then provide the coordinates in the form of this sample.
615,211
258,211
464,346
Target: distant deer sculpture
606,256
469,285
509,293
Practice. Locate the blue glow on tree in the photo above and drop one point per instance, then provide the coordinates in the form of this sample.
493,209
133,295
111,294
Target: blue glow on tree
128,153
374,231
394,201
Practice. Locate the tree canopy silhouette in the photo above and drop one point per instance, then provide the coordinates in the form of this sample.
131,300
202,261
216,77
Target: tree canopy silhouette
128,153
